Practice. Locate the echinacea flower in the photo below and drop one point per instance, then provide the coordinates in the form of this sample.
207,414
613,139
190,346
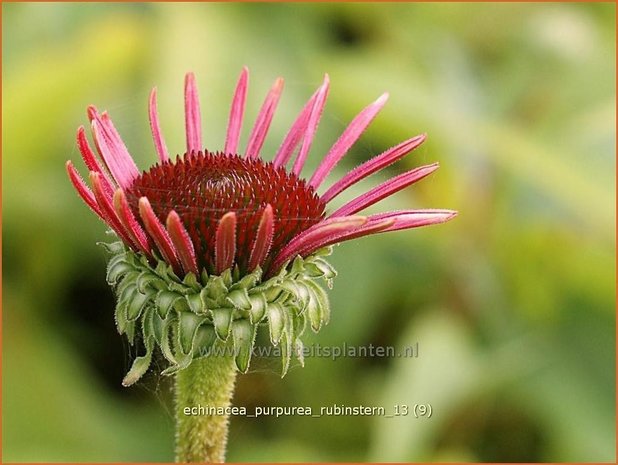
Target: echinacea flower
216,242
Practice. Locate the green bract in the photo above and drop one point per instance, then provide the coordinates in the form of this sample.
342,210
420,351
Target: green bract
189,318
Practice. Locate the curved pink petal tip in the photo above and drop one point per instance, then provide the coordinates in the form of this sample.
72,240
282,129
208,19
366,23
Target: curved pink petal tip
158,234
370,227
312,125
294,135
112,150
346,140
89,157
377,163
263,238
407,219
182,241
193,121
155,126
104,201
385,189
126,217
314,235
225,242
82,189
237,112
265,117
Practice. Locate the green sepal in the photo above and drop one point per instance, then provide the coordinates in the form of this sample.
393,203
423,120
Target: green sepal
164,302
179,288
227,278
138,369
144,280
141,259
298,266
204,340
182,362
188,324
116,260
162,269
299,322
221,320
120,315
216,288
297,290
290,286
288,339
164,342
191,281
272,293
239,299
137,303
113,248
286,354
320,268
303,295
114,273
265,286
123,325
318,308
126,287
195,303
312,270
275,314
243,333
158,326
185,318
249,281
323,252
148,329
258,307
129,331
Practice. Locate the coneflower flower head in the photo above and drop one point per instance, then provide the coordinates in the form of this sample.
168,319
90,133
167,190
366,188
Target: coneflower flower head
213,244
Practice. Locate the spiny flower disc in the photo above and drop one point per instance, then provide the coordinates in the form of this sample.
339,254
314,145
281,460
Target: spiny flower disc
202,187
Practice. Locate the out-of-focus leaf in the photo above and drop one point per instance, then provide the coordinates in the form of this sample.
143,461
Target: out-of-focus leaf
444,374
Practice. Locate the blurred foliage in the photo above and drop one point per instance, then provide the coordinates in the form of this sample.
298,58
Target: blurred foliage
512,304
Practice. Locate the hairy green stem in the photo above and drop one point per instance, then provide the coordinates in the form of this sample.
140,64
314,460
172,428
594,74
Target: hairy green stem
201,433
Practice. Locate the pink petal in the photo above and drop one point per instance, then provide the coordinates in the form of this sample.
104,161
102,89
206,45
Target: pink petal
258,134
347,139
126,217
377,163
82,189
114,136
225,242
263,239
155,126
90,159
112,150
193,120
236,113
295,134
371,227
384,190
406,219
182,241
92,112
158,234
104,202
383,222
314,234
312,125
109,127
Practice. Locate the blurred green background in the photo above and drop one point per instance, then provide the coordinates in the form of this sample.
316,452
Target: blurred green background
512,303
